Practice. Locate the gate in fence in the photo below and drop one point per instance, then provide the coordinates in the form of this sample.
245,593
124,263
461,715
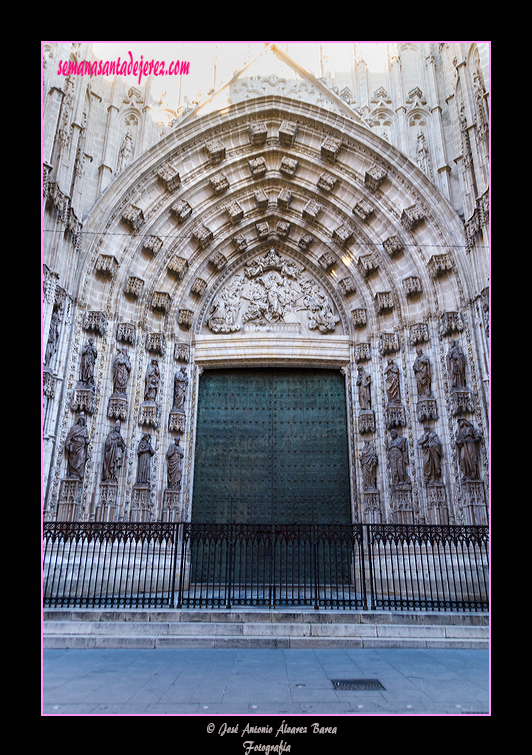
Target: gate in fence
333,566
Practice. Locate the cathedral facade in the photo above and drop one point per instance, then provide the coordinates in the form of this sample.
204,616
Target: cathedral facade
268,302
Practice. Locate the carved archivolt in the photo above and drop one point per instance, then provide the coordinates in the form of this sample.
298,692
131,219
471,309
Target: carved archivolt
272,290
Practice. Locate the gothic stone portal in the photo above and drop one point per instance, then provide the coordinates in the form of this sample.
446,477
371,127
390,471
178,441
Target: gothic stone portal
272,447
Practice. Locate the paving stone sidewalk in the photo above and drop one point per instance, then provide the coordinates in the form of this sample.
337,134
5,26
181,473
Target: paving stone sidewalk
264,682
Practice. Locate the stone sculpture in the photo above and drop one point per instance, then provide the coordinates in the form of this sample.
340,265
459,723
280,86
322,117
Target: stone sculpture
88,360
174,456
468,442
398,456
113,457
393,389
423,373
432,455
369,462
180,389
121,370
53,338
151,383
364,388
144,454
456,366
76,448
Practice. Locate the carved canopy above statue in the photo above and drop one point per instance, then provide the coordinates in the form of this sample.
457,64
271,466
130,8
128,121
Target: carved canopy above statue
271,291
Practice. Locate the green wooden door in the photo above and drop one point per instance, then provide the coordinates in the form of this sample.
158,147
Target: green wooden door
271,447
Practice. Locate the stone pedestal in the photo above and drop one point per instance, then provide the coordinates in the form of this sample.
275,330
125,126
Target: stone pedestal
170,512
426,409
437,511
372,512
177,421
83,399
106,508
149,414
117,407
140,510
475,509
395,417
68,506
401,504
462,401
366,421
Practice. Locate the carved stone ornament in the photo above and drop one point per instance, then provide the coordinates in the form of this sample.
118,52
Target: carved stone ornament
182,352
271,290
133,217
95,321
169,176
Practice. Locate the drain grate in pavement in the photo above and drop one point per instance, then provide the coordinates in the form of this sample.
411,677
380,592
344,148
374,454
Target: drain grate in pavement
357,684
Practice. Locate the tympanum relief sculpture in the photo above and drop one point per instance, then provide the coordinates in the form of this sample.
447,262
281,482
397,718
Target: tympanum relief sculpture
272,293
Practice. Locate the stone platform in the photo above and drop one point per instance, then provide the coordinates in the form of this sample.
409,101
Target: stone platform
261,628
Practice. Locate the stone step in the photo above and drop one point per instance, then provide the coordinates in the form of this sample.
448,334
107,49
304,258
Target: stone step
63,628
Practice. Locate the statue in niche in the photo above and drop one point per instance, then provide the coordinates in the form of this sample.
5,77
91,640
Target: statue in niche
423,373
121,370
144,454
174,456
126,152
369,462
53,338
398,456
151,382
88,360
456,366
393,389
364,389
432,455
113,456
76,446
468,442
180,390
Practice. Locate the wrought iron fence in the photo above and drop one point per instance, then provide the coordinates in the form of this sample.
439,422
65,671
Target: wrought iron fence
184,564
